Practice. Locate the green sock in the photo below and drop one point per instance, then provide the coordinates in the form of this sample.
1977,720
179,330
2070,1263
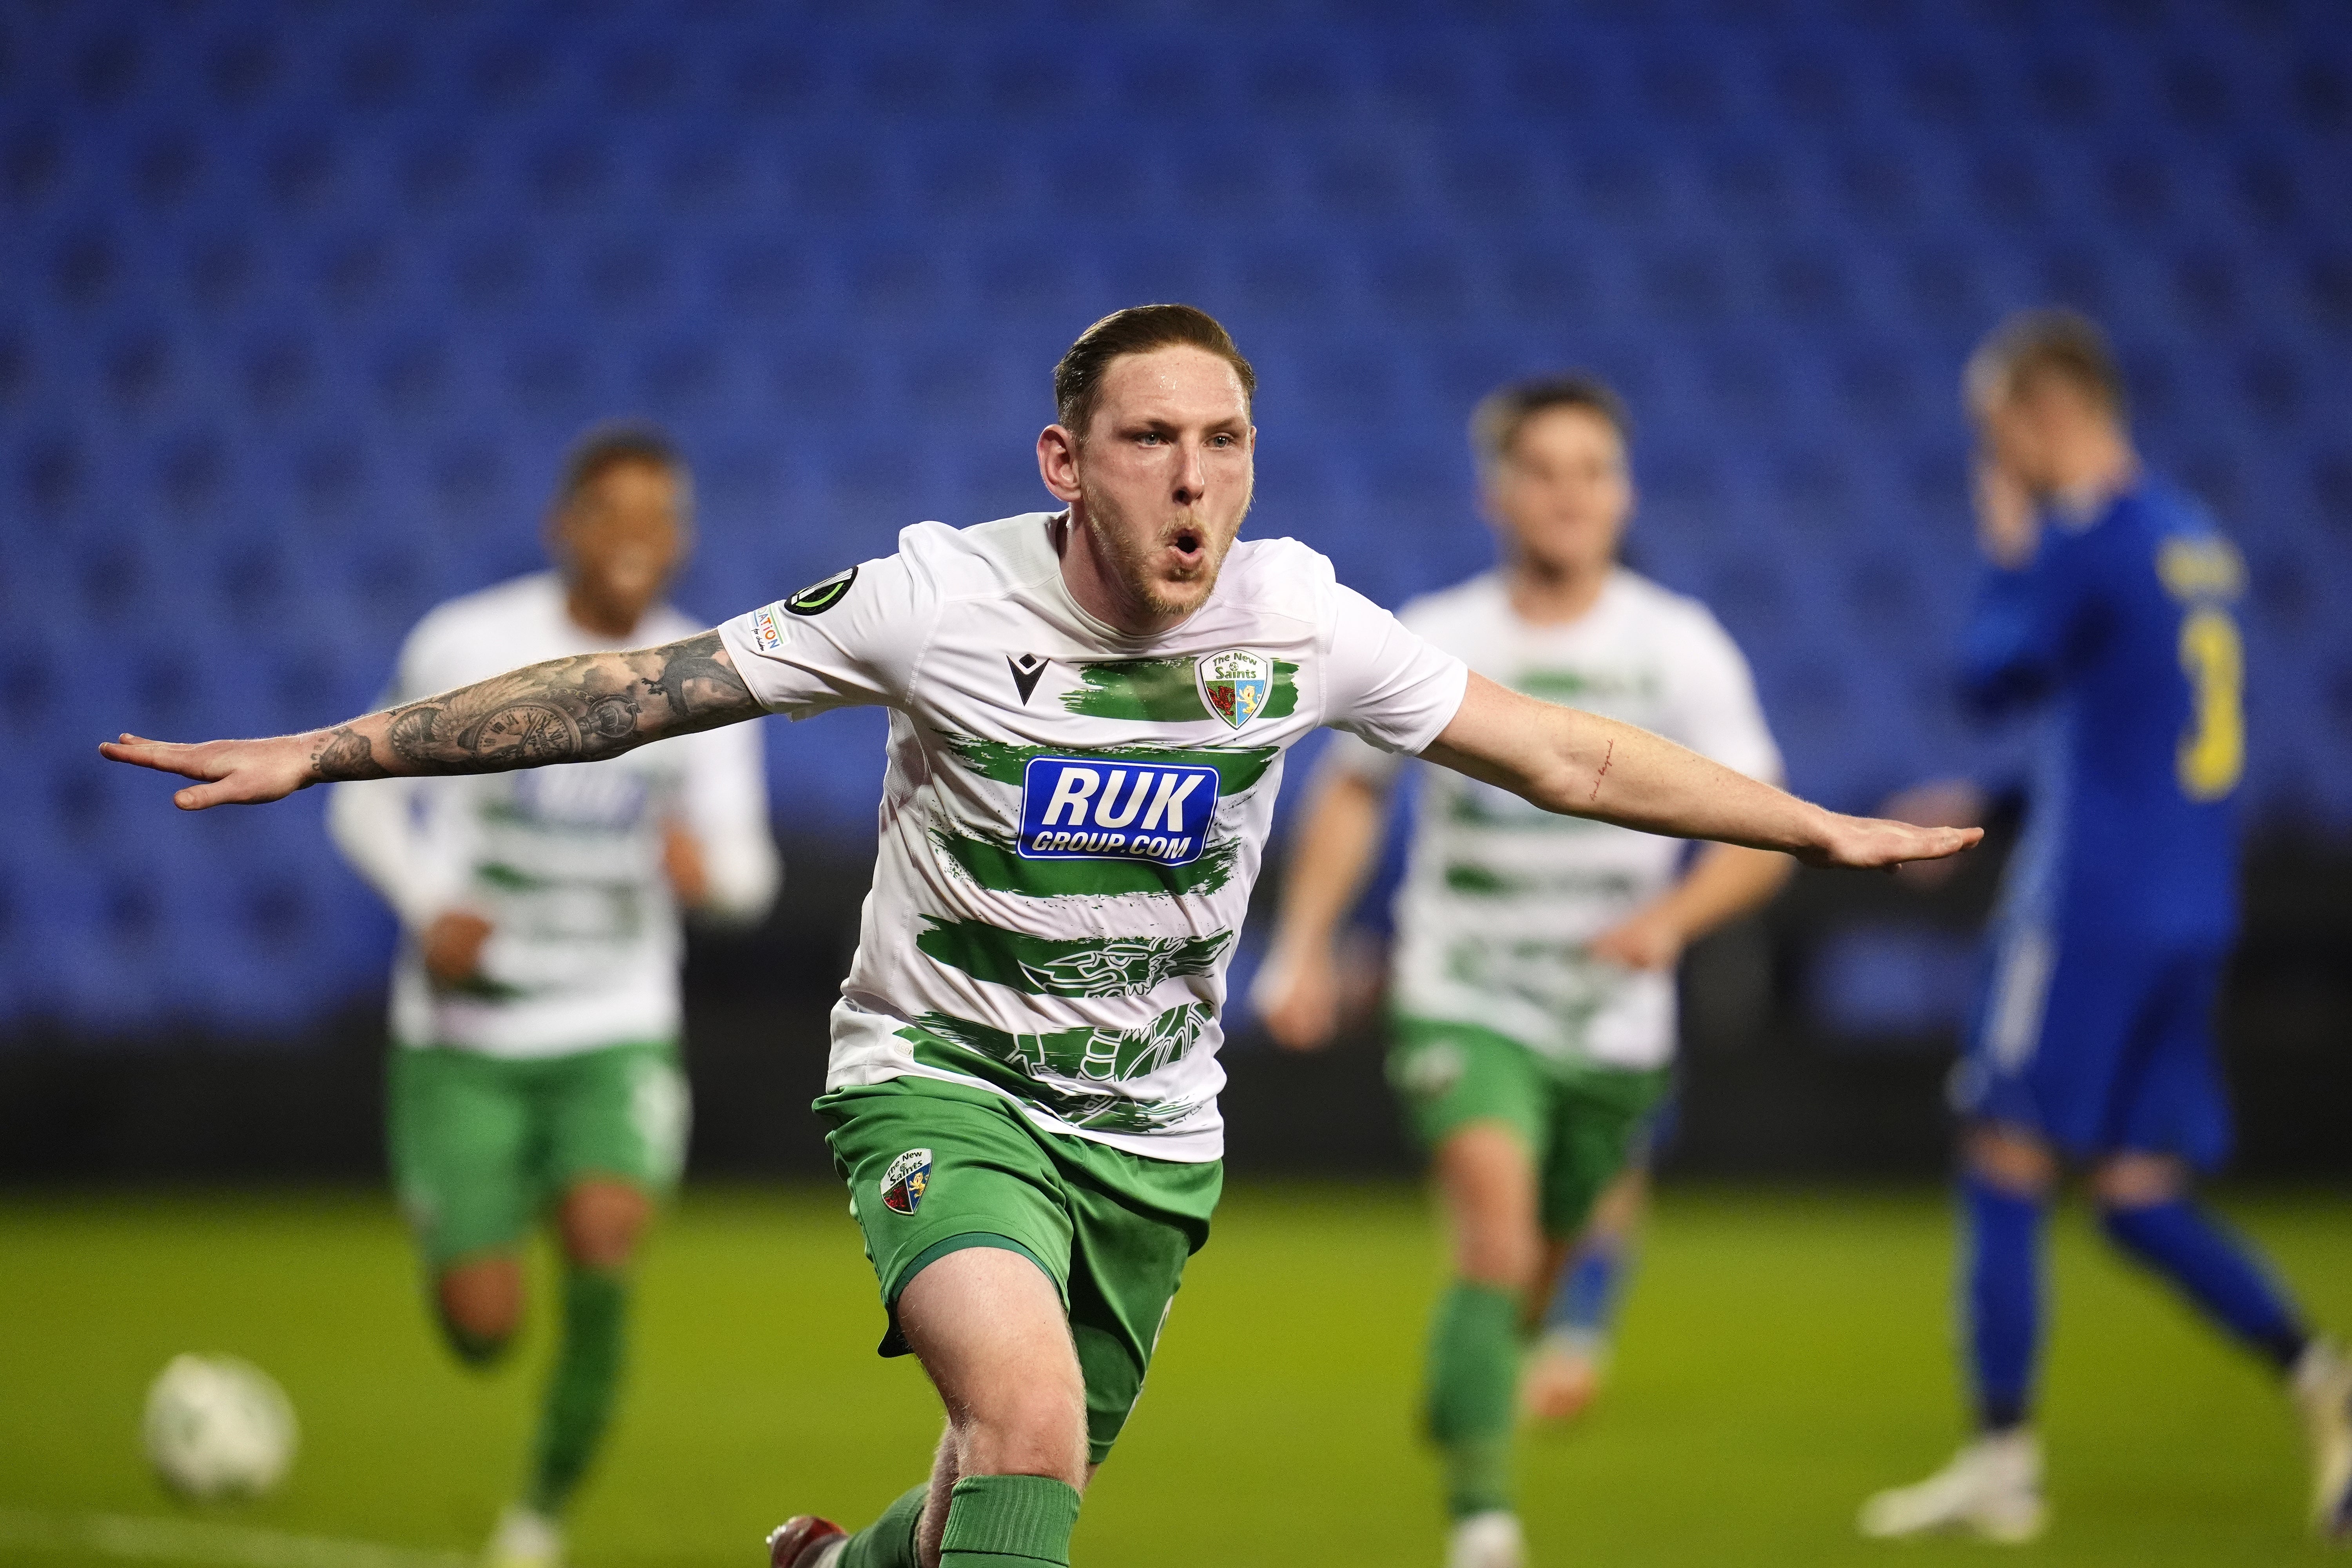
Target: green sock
1009,1522
1473,1374
889,1540
582,1387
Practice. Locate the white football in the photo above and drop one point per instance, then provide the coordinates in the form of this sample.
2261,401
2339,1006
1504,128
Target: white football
218,1427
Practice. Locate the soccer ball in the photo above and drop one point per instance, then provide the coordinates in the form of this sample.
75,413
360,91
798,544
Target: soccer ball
218,1427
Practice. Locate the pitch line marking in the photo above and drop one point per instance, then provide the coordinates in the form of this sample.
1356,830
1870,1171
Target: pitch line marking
159,1540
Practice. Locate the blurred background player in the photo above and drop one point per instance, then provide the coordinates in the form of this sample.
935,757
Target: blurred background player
1533,977
535,1003
2108,603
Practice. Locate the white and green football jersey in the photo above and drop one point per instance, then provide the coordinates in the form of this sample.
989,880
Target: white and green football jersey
1072,817
564,862
1499,899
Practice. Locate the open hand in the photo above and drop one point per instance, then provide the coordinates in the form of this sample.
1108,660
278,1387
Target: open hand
453,945
1297,999
2008,530
230,772
1649,939
683,864
1940,803
1874,844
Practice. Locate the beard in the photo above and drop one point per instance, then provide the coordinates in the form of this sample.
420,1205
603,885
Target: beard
1140,569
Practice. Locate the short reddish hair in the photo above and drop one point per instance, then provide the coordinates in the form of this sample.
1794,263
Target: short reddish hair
1138,328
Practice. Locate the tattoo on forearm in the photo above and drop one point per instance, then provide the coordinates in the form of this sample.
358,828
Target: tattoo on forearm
692,663
575,710
1606,757
410,730
345,753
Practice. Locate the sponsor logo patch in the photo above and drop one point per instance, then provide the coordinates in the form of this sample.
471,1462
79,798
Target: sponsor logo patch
818,597
1078,808
1236,684
766,630
904,1184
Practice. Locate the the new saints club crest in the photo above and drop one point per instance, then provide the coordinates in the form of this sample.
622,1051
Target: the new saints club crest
904,1182
1236,684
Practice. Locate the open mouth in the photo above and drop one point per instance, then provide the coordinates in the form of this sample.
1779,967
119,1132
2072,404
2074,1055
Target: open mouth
1190,544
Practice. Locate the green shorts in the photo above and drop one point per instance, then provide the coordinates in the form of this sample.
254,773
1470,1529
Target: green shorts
481,1144
1581,1122
934,1167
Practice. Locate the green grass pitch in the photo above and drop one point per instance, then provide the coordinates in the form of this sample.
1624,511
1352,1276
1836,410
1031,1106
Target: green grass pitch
1784,1353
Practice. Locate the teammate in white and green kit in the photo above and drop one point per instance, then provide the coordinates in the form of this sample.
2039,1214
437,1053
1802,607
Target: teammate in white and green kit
1087,712
1533,985
535,1009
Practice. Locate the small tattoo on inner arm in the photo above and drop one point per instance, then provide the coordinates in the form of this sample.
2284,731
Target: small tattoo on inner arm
410,730
346,754
1605,759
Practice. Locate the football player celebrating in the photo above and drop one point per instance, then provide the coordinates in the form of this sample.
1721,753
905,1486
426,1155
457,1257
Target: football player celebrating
1534,971
1088,709
2107,599
535,1011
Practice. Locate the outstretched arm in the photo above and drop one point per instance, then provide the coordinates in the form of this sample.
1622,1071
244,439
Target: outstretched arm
577,710
1582,764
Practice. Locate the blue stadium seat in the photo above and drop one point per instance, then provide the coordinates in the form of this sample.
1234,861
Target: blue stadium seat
308,303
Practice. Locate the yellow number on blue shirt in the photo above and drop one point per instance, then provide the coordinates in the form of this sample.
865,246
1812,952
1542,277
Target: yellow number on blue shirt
2213,754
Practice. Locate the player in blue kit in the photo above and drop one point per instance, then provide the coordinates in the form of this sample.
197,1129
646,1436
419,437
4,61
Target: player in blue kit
2107,605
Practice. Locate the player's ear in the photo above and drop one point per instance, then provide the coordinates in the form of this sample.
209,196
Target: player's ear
1057,462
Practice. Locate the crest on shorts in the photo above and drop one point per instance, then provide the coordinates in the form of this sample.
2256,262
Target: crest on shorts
1430,1071
818,597
1234,684
904,1184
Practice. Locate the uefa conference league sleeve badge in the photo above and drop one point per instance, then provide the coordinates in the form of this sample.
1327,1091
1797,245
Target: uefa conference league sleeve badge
818,597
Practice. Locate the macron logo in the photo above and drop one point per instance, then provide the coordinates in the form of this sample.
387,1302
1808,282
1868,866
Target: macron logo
1073,808
1027,667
